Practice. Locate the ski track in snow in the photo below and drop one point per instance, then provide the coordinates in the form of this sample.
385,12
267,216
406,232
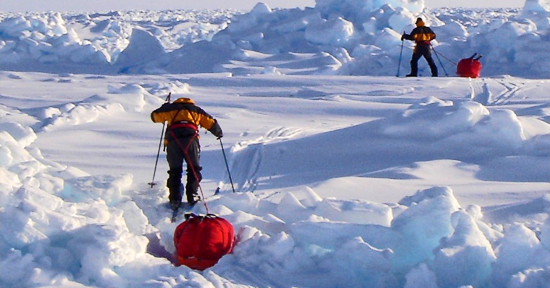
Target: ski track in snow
480,91
245,166
247,157
510,91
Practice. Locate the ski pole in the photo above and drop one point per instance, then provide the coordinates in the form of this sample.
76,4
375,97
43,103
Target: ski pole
160,143
437,55
400,53
227,166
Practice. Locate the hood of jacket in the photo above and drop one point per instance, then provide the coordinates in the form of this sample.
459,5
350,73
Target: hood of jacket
185,100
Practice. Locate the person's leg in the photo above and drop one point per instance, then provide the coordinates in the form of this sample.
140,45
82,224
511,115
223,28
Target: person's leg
174,156
194,175
431,62
433,67
414,64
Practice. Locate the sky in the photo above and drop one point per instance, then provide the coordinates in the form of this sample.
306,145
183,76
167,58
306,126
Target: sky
109,5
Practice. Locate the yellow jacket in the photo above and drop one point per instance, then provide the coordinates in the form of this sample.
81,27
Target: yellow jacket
183,118
422,34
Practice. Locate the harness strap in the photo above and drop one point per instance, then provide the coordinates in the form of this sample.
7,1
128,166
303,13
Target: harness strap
184,124
186,155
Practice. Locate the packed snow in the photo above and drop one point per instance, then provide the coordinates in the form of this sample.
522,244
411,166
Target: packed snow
344,175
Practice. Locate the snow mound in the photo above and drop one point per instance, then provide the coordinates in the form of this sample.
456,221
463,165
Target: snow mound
361,38
62,226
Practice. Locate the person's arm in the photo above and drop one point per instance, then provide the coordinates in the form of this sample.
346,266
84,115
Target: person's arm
209,123
432,34
406,36
161,114
216,130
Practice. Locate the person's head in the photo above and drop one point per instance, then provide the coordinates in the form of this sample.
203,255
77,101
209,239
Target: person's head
185,100
419,22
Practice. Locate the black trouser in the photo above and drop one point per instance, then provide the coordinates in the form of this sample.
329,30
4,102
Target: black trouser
419,51
178,150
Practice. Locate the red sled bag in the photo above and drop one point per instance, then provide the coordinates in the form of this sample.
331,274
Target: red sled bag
201,241
469,67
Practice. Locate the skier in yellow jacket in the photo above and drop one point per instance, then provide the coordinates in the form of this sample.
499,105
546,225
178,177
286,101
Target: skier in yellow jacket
422,35
181,140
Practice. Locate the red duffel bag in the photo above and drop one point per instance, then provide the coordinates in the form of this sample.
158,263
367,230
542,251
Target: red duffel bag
201,241
469,67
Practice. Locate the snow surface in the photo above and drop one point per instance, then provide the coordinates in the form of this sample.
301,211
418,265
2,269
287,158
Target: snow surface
345,175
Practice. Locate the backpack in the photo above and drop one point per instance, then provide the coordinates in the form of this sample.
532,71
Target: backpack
201,241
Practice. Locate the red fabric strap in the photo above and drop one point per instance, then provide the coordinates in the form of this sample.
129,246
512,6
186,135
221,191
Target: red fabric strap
184,125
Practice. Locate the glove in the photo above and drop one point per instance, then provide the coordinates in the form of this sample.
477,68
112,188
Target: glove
216,130
219,135
402,36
